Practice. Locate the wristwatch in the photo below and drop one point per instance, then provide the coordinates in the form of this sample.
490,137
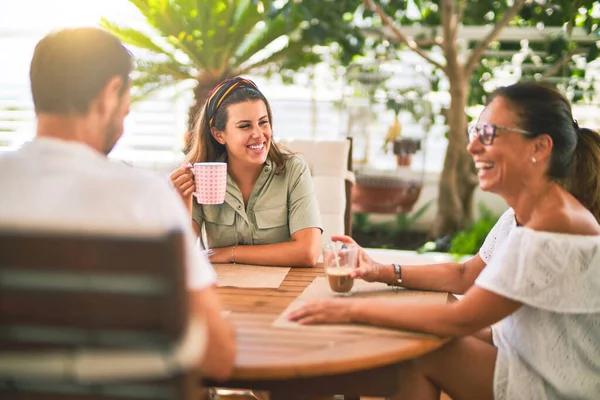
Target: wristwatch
397,274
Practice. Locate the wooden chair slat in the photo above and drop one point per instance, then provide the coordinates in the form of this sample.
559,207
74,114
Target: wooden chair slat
38,279
86,310
63,251
70,337
133,390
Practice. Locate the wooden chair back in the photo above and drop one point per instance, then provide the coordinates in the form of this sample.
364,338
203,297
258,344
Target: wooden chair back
67,292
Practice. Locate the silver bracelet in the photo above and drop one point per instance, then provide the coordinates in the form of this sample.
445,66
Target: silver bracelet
233,254
397,274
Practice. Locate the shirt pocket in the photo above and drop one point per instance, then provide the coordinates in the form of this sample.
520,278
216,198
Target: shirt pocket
219,222
272,225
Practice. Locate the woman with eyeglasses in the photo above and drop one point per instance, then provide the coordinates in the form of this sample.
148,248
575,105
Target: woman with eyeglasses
270,215
538,272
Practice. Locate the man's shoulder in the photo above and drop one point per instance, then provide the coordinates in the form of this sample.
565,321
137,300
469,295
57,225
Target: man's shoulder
10,156
125,173
128,183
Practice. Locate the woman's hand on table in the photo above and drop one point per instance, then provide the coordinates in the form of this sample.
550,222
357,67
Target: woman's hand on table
324,311
221,255
367,269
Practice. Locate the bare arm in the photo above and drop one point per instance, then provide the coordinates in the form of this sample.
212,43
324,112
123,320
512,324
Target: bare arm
196,228
302,251
485,334
220,351
445,277
477,310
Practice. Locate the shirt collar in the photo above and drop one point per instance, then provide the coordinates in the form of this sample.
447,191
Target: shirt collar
60,145
268,165
233,196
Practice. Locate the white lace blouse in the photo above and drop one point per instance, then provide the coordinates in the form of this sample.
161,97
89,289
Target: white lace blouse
550,347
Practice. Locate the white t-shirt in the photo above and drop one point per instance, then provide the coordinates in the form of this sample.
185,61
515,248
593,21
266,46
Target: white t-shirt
550,347
68,186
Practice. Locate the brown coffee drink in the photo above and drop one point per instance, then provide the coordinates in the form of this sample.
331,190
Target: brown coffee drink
339,279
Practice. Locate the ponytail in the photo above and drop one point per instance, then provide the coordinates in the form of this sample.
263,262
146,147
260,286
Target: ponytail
584,180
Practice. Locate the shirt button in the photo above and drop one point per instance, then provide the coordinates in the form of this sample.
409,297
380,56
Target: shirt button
267,169
250,208
239,207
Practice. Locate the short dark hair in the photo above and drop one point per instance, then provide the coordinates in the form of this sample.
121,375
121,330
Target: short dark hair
575,158
70,68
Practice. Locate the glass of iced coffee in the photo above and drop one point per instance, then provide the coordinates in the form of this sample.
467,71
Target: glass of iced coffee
339,260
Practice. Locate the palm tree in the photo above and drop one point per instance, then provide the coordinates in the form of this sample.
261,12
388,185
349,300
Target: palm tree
211,40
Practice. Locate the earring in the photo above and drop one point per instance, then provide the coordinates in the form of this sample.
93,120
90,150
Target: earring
533,160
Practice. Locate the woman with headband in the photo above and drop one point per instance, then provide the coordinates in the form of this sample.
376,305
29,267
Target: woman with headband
270,215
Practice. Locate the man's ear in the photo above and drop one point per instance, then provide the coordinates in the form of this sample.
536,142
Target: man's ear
543,147
110,96
218,135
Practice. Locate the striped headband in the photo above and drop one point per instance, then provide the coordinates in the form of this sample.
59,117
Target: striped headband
223,89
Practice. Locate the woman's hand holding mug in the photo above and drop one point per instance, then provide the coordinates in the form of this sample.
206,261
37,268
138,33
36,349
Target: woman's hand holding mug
182,180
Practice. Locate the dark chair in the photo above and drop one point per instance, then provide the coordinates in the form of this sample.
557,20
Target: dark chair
86,316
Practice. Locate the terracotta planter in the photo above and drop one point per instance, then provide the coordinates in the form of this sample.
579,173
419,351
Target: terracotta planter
404,148
385,194
403,161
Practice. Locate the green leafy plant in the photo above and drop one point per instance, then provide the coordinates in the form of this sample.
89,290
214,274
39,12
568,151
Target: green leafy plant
470,240
210,40
405,222
398,234
360,221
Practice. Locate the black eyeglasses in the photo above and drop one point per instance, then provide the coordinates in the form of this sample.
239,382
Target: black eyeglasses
487,132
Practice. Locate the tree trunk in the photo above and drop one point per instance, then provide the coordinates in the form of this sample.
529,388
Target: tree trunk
457,181
201,92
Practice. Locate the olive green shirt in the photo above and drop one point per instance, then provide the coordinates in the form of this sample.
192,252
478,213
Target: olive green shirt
279,206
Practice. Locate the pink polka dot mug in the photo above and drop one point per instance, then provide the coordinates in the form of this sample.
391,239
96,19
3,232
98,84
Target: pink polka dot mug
211,182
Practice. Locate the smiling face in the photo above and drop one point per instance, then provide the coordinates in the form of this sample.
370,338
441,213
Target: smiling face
247,134
506,165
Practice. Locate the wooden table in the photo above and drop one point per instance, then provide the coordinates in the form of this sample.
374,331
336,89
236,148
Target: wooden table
296,364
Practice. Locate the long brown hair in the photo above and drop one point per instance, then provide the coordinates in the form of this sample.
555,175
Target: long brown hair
575,158
204,147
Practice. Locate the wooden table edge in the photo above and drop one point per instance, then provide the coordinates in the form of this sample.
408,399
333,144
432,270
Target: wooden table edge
327,368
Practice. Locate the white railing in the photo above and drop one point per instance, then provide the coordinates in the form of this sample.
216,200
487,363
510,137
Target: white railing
154,130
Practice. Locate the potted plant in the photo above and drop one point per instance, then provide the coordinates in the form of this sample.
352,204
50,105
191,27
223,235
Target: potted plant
380,192
402,147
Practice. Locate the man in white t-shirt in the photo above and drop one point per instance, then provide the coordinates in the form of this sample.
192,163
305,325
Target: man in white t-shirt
63,180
